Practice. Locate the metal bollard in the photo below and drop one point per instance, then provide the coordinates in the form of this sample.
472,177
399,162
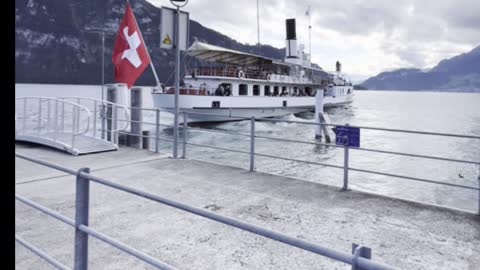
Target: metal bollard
146,139
185,126
252,144
360,251
81,218
345,165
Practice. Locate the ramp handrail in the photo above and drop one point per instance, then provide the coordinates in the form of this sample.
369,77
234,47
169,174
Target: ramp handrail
43,99
125,109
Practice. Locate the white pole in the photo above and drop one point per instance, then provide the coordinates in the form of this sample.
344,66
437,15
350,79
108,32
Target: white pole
102,112
258,25
177,82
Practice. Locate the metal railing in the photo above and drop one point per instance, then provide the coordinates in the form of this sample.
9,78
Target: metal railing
105,112
360,259
61,120
46,118
346,149
112,119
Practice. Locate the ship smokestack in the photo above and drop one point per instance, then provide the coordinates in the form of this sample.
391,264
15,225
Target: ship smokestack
291,49
339,67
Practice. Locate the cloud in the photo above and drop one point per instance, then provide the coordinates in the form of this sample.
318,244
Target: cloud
368,36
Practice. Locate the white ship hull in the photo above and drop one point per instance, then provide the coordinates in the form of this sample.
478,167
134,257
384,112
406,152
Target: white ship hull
200,108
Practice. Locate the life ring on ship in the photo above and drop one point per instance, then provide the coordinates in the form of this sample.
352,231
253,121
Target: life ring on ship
241,74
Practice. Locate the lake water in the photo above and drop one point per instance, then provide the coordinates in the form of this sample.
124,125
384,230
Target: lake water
457,113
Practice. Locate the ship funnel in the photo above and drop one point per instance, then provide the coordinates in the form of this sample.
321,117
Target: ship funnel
291,49
339,67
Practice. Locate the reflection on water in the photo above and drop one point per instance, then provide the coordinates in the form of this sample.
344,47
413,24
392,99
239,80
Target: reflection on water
429,111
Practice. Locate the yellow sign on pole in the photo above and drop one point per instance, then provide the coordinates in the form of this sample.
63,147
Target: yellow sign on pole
167,40
167,29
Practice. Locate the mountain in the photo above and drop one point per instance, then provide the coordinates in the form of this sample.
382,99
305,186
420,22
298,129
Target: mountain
459,73
54,42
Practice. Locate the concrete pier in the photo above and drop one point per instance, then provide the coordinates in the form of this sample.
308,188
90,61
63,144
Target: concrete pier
402,234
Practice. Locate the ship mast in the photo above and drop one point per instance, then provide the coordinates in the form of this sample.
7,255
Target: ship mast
258,28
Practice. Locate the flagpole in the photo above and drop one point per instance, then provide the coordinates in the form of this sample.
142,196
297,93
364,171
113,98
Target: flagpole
258,26
148,53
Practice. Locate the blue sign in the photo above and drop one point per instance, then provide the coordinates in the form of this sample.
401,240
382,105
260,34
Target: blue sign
347,135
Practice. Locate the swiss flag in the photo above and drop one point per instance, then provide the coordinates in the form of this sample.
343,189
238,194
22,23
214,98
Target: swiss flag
130,55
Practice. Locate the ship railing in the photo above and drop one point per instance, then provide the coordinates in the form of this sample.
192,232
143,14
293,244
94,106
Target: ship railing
207,91
229,72
249,74
360,259
157,135
191,91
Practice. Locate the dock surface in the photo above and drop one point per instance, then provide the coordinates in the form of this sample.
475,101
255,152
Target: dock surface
402,234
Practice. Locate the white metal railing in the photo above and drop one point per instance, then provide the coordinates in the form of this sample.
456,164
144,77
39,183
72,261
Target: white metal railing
105,112
360,259
47,118
60,121
157,138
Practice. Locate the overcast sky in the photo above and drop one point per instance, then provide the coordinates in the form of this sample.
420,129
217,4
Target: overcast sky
367,36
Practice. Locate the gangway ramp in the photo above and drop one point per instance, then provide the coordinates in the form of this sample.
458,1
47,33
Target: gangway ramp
72,124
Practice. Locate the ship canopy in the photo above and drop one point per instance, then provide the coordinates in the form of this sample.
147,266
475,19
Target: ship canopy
212,53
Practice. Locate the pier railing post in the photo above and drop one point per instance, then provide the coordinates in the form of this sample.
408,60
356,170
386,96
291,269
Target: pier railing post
81,218
478,190
345,164
252,144
157,129
185,126
360,251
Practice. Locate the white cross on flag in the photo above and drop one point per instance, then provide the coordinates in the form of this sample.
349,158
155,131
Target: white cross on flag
130,55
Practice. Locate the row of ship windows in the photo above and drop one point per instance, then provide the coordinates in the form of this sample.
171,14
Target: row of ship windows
224,90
